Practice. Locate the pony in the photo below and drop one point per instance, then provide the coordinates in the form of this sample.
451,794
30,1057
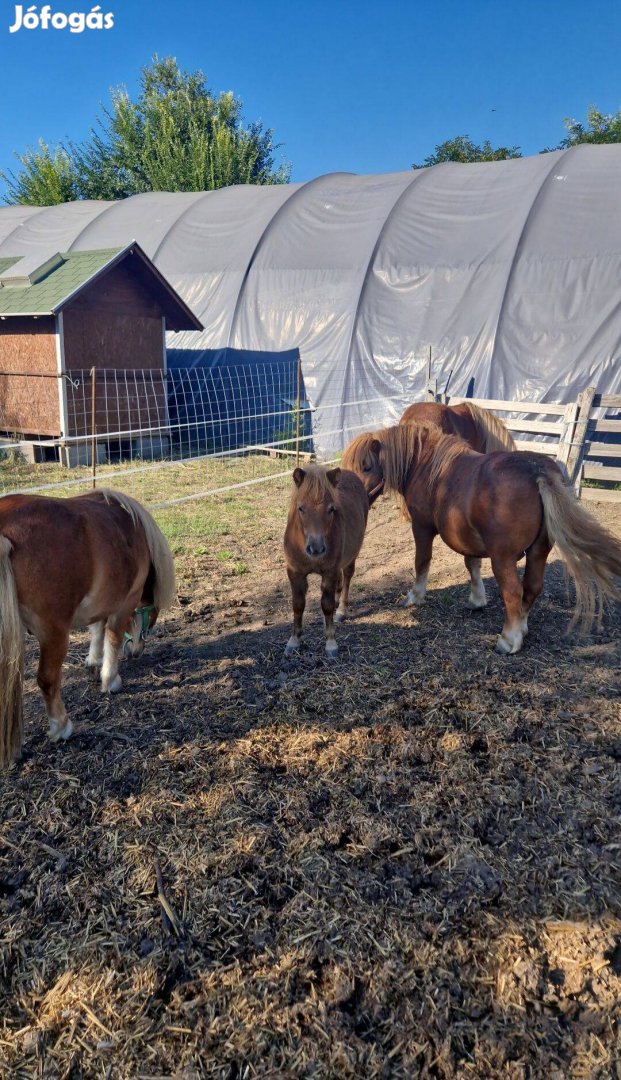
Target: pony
96,560
480,428
325,529
501,505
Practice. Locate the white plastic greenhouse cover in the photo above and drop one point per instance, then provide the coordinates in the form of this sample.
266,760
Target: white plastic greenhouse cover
510,271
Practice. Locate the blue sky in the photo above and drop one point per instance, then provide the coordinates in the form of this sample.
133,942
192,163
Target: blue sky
361,87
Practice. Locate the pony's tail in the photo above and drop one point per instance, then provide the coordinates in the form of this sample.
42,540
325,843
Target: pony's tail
592,554
164,588
11,661
495,433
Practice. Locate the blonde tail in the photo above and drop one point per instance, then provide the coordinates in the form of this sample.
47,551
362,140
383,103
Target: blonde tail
592,554
11,661
164,589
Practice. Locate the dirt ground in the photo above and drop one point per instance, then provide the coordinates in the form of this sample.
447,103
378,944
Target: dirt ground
402,863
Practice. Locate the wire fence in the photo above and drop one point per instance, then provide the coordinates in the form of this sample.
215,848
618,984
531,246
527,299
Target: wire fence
173,436
223,427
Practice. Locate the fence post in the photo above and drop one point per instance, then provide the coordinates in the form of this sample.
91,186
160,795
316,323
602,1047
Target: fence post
431,385
94,425
297,412
567,434
578,443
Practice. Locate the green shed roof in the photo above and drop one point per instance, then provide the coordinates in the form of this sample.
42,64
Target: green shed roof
7,263
45,288
47,296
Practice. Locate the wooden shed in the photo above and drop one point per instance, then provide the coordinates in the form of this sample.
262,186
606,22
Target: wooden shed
108,310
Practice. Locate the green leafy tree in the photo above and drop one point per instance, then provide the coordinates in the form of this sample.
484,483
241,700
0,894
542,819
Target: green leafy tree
600,128
47,176
176,136
462,148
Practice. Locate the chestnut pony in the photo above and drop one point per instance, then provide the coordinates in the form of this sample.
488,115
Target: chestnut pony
90,561
481,429
324,534
498,505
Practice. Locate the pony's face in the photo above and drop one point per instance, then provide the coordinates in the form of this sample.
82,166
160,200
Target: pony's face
370,470
142,622
316,511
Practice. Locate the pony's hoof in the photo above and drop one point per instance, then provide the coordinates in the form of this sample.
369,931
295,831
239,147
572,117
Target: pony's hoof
90,663
114,686
57,733
476,605
292,647
412,600
340,616
331,649
509,647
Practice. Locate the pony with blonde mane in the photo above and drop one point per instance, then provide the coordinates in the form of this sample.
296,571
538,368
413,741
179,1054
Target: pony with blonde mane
500,505
480,428
96,560
325,529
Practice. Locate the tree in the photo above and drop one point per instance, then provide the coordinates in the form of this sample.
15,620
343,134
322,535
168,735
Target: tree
461,148
177,136
47,177
601,128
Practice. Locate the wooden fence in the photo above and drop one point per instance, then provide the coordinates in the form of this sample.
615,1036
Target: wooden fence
574,436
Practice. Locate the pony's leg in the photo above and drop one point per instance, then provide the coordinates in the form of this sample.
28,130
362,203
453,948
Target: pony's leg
506,574
348,573
339,585
110,678
532,582
477,598
54,647
96,650
423,540
113,643
328,604
299,588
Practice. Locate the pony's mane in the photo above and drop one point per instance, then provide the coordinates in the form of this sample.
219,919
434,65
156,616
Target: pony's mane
400,446
446,450
496,435
315,487
357,451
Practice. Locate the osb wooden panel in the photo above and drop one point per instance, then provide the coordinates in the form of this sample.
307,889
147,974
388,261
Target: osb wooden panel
109,340
28,404
27,345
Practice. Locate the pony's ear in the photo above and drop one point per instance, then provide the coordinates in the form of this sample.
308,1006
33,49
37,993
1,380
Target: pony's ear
333,475
375,447
298,477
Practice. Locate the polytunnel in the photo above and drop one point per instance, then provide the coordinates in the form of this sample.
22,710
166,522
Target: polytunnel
509,271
